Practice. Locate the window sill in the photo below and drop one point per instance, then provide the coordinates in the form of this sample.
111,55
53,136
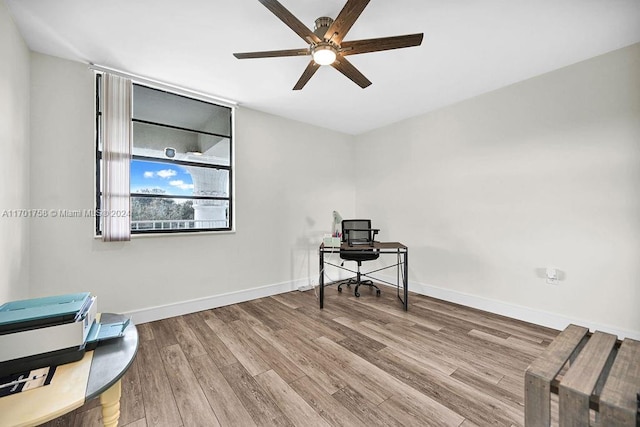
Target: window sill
191,233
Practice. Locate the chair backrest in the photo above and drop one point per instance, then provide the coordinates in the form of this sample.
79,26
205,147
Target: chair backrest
357,231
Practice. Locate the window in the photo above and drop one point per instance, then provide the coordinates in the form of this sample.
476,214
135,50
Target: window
181,168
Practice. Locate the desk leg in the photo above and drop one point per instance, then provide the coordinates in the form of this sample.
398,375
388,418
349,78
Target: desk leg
321,279
110,401
398,275
406,280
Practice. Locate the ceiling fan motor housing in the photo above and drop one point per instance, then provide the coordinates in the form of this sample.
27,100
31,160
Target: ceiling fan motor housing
325,51
322,25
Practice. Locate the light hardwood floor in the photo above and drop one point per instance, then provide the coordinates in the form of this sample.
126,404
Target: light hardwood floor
281,361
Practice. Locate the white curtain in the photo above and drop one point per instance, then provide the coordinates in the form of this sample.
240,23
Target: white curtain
116,158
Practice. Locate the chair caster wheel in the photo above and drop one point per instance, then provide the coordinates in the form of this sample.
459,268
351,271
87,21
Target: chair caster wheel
340,290
377,292
357,294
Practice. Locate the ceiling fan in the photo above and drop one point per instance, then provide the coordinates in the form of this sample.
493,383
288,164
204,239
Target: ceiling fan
326,45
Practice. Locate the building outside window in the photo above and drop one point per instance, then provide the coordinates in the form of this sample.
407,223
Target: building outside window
181,165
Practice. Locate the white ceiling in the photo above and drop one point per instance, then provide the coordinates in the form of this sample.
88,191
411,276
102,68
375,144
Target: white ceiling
470,47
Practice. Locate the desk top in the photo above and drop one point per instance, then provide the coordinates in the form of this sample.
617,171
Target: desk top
73,383
382,246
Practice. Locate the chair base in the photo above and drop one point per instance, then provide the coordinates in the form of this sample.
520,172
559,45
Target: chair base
358,283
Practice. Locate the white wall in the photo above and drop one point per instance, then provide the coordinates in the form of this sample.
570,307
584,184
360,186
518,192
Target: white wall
485,193
542,173
285,195
14,161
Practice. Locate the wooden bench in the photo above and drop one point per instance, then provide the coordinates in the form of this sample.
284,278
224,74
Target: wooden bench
597,372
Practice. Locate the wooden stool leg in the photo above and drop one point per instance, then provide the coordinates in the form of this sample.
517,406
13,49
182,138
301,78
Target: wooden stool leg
537,401
110,401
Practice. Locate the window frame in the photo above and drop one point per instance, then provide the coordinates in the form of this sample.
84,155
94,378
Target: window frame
230,167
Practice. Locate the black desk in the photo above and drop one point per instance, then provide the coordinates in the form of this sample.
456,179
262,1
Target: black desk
402,270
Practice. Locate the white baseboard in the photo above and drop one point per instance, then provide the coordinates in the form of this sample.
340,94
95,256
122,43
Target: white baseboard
527,314
151,314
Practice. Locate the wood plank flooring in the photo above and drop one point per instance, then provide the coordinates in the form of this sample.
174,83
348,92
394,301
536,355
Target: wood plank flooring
281,361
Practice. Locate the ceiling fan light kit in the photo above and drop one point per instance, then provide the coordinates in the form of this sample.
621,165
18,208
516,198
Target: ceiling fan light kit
326,46
324,53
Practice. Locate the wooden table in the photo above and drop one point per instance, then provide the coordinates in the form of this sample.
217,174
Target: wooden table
600,373
74,384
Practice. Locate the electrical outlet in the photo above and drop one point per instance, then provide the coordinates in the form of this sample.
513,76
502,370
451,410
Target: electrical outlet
552,275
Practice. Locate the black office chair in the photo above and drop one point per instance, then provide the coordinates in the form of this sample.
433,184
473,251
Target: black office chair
358,232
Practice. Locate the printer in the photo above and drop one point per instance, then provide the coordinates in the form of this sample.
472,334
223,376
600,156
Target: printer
50,331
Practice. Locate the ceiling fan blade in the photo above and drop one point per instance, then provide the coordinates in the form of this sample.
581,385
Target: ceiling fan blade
290,21
347,68
345,20
383,43
272,53
306,75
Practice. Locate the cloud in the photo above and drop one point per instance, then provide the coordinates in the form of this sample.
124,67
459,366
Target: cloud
148,174
181,184
167,173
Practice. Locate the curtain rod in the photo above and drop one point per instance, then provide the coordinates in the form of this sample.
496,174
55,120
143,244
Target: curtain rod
161,85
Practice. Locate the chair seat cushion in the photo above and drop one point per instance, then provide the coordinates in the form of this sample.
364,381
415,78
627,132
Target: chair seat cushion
359,255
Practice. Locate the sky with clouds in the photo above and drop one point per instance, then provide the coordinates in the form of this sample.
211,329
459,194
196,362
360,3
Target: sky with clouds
173,179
